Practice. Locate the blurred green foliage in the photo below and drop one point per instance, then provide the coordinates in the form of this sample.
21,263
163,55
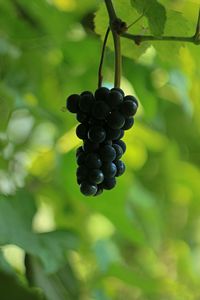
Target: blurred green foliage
140,241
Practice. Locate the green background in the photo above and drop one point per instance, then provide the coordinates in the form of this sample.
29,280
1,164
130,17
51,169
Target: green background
140,241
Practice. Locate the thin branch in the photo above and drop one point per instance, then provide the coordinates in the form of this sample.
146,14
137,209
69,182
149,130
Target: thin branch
138,39
116,38
118,59
100,75
111,11
134,22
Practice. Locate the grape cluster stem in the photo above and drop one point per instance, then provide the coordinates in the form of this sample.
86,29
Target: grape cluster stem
116,40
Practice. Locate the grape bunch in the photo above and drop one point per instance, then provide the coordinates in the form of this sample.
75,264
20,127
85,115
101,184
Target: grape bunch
103,117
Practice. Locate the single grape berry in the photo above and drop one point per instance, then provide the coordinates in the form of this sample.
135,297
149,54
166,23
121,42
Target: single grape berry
100,110
115,120
88,189
92,121
93,161
81,117
109,183
81,131
107,142
79,150
101,94
86,102
128,108
79,180
86,93
72,103
121,134
114,99
112,134
118,150
88,146
96,134
120,167
99,191
96,176
107,153
118,90
82,173
121,144
81,158
128,123
131,98
109,169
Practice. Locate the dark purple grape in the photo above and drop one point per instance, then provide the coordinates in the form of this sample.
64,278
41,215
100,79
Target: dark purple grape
96,176
72,103
109,183
81,117
128,108
79,150
114,99
81,158
131,98
100,110
120,167
121,144
115,120
118,90
121,134
109,169
81,131
101,94
107,153
82,173
93,161
88,189
107,142
119,151
78,180
112,134
104,117
88,146
96,134
86,102
93,121
128,123
99,191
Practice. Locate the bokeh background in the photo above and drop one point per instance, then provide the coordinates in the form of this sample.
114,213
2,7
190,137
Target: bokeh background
140,241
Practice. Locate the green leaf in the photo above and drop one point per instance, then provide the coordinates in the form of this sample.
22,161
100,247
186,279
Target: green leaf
6,105
12,289
132,278
61,285
16,215
4,265
155,13
176,25
125,227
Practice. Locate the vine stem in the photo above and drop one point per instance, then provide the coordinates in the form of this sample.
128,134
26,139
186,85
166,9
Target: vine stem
144,38
100,75
195,39
116,40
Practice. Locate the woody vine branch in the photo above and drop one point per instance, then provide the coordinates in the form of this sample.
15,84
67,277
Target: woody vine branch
119,28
